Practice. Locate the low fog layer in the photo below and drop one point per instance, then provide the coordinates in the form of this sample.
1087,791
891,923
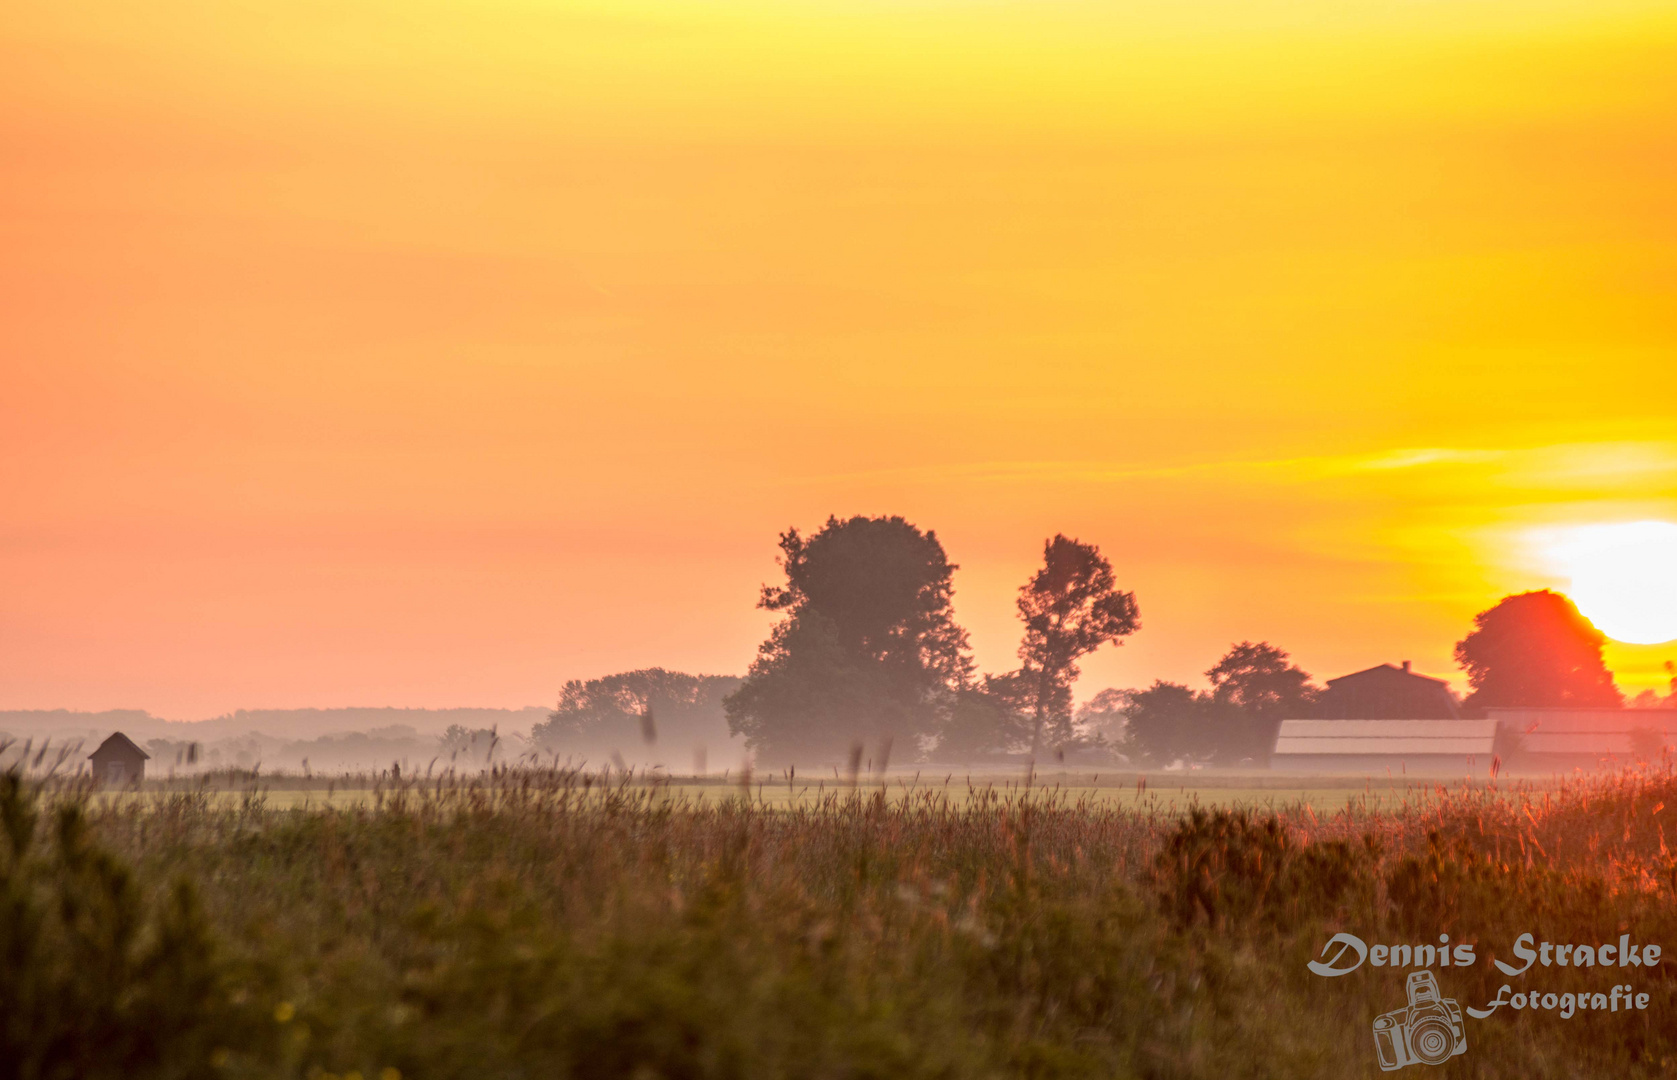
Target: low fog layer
644,719
358,739
323,740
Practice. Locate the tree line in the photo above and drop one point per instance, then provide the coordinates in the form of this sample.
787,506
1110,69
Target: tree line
867,657
868,653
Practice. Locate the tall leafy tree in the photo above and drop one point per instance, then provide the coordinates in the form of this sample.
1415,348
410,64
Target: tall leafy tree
1536,649
867,650
1253,689
1071,607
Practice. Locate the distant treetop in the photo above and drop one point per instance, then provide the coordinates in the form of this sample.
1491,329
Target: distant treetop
1535,649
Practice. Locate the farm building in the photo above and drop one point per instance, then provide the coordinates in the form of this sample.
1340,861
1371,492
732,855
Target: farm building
1551,740
119,761
1377,747
1387,693
1386,719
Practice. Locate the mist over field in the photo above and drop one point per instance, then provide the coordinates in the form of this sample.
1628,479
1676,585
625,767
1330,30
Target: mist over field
369,739
328,739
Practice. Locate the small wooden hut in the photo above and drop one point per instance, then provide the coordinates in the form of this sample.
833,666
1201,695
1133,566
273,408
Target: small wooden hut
119,761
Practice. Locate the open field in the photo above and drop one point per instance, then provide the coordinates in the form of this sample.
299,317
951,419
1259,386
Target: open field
1171,802
546,924
1163,794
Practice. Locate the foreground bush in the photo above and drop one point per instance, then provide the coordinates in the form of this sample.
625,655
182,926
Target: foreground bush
95,981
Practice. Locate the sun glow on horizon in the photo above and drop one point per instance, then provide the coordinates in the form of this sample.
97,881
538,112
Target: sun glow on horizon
1623,577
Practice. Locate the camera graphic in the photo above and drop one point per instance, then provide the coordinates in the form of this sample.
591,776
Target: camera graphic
1428,1031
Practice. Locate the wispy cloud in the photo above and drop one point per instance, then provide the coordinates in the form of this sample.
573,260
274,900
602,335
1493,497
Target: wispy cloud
1571,465
1423,457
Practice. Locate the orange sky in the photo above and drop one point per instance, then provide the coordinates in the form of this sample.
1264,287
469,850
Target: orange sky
431,353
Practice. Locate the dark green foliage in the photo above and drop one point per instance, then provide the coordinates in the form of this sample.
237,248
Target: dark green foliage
1451,885
97,980
1224,867
1221,866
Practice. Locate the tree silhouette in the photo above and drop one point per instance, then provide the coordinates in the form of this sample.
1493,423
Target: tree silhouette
611,713
989,716
1253,689
868,649
1071,607
1168,721
1535,649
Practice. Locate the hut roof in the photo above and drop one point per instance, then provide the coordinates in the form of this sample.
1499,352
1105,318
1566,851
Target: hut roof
119,743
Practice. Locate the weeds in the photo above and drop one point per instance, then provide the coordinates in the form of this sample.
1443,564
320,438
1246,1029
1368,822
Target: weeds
97,981
549,923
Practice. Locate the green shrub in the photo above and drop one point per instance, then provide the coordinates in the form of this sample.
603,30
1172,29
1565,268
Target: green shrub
1226,868
95,980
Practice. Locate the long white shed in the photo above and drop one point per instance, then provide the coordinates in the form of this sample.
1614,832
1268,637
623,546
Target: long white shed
1376,747
1542,740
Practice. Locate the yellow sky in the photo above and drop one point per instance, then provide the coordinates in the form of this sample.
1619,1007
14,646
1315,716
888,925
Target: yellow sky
434,352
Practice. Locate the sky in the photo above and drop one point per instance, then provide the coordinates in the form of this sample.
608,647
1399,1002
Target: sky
433,353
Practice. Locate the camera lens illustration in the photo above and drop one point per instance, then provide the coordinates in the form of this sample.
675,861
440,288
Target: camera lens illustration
1428,1031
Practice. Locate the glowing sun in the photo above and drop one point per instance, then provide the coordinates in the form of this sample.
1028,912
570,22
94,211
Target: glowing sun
1624,577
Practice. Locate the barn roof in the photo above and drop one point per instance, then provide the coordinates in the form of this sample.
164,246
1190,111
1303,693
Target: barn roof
1386,692
1385,737
1388,672
119,743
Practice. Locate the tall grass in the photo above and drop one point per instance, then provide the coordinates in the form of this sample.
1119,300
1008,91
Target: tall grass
549,923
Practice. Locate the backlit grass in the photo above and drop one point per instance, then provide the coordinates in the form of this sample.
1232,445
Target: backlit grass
550,923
